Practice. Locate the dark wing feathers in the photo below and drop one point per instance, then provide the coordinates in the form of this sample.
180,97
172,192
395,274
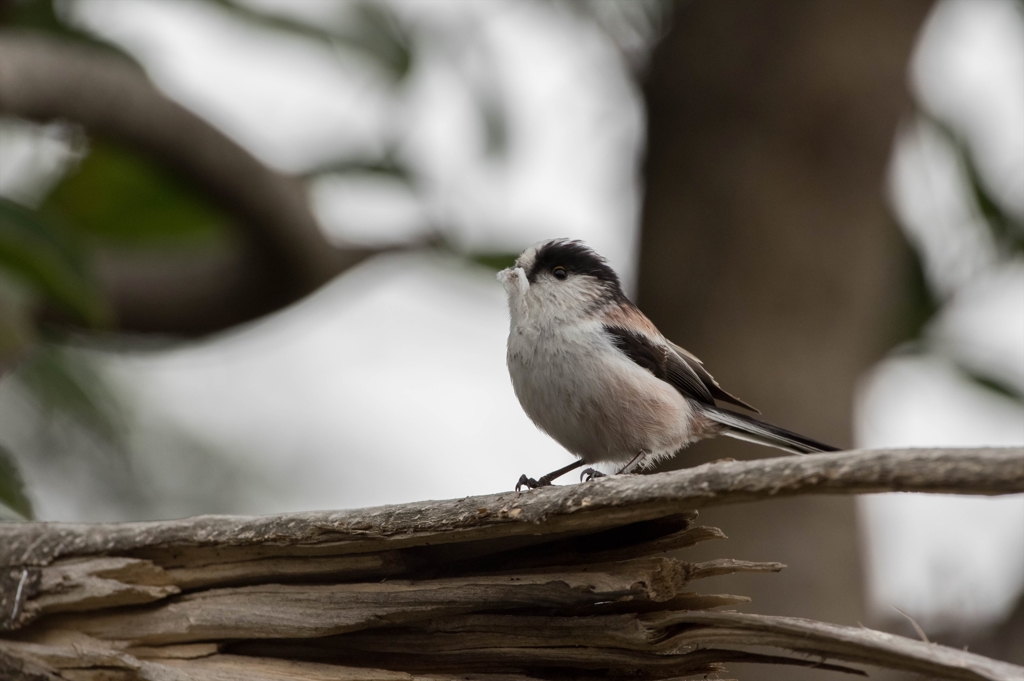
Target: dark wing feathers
712,385
661,361
638,348
671,364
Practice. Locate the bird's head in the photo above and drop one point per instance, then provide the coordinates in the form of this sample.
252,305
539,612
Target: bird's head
559,279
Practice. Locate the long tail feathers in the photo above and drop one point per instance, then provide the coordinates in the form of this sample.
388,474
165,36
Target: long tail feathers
743,427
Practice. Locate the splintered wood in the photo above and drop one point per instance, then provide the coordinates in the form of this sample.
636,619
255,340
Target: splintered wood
578,582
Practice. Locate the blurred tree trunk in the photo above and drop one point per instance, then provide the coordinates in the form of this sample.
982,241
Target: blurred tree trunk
767,248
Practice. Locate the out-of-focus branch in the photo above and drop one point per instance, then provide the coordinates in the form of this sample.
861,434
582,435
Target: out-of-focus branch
285,255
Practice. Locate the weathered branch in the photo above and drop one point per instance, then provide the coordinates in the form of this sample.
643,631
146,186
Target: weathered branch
286,254
549,584
602,504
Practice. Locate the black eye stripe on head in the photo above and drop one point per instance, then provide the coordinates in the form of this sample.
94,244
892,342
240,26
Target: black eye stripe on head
575,258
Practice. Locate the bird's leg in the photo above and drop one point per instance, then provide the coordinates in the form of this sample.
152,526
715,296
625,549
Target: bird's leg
546,480
589,474
633,464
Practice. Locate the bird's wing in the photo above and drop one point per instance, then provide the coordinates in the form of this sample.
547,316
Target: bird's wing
660,360
671,364
709,381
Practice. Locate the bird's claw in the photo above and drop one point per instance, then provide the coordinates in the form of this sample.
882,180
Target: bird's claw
589,474
530,483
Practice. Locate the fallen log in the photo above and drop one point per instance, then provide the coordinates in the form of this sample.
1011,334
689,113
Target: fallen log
582,581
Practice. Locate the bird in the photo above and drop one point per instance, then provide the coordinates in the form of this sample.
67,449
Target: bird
595,374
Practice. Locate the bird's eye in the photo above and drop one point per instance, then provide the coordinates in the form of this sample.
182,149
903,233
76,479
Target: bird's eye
559,272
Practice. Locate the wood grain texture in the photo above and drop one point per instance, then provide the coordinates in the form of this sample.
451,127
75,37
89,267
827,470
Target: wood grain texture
557,583
600,504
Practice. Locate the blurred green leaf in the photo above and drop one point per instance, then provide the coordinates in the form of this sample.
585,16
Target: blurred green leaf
17,328
1007,231
379,33
72,388
996,385
119,197
495,261
48,260
1008,234
12,487
384,166
922,304
376,33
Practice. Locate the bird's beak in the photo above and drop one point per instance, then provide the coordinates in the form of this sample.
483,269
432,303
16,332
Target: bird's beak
514,280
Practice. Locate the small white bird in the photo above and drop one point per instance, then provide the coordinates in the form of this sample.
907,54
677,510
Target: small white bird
596,375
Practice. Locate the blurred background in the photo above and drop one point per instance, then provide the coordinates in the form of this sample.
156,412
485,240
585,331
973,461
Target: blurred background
247,257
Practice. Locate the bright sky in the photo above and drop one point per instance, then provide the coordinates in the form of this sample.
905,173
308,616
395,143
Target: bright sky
389,385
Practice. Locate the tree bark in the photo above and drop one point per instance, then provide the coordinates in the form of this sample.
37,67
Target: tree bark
562,582
599,505
767,248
